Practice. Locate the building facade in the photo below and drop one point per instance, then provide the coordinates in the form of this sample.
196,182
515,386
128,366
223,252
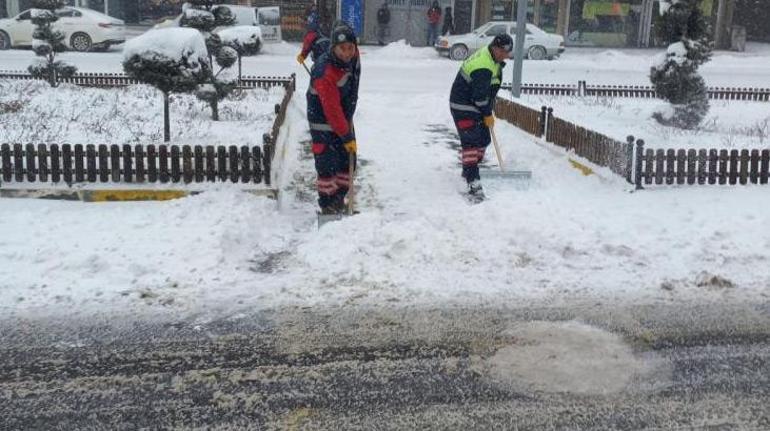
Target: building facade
603,23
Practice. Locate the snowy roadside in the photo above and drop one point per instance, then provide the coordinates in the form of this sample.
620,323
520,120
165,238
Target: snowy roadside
594,65
568,239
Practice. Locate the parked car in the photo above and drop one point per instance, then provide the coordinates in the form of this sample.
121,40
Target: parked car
84,29
538,44
268,19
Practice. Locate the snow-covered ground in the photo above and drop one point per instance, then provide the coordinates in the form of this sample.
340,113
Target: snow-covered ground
594,65
75,115
728,125
569,238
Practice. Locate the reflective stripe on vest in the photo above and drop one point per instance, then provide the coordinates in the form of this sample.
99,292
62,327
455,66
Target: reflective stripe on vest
321,127
341,83
481,59
461,107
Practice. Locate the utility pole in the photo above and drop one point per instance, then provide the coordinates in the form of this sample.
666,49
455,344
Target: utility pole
518,56
562,18
725,12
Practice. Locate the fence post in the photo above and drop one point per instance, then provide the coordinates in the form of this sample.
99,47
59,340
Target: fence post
639,154
549,123
543,120
267,156
630,159
581,88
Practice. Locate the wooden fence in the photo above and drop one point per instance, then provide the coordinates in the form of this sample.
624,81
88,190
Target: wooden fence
631,161
111,80
545,89
70,164
523,117
638,91
700,167
595,147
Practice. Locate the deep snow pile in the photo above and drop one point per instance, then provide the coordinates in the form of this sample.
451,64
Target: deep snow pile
131,115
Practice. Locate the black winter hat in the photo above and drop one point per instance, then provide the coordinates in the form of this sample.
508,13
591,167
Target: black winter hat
503,41
343,33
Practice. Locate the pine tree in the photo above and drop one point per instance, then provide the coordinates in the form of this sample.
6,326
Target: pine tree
676,78
205,16
178,71
47,41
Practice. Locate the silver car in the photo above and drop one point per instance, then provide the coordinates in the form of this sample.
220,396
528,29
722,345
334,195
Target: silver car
538,44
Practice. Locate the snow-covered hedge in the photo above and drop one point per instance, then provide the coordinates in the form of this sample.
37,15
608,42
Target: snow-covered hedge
182,48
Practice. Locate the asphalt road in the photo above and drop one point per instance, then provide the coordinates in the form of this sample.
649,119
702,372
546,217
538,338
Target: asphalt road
581,367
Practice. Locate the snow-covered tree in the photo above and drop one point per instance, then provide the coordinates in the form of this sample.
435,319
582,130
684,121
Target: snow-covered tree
172,60
675,77
246,40
205,16
47,41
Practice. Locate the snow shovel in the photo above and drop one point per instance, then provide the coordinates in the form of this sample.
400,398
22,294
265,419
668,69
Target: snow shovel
306,69
523,176
349,211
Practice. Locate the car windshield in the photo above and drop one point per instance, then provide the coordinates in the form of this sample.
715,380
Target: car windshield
481,29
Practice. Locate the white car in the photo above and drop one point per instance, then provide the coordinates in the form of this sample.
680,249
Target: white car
268,19
538,44
84,29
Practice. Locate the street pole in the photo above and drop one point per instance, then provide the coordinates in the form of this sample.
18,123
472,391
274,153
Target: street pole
518,55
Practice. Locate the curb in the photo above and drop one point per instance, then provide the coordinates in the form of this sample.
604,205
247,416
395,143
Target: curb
124,195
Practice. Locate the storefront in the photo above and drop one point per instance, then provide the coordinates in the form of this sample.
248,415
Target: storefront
408,20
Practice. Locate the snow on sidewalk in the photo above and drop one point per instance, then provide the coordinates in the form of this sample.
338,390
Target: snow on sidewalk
569,238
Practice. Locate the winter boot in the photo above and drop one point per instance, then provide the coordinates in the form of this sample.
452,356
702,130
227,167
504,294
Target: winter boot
475,191
330,210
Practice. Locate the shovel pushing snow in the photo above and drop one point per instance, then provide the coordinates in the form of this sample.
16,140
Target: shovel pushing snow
521,177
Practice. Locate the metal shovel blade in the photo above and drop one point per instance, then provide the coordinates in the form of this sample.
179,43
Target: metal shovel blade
498,174
519,180
327,218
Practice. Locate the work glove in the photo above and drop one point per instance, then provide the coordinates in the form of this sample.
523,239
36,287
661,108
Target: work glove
350,146
489,121
300,58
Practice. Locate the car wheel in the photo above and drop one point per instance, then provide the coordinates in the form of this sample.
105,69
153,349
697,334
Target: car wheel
536,53
5,41
80,42
458,52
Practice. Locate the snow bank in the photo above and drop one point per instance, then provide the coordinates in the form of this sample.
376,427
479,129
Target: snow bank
399,50
167,254
171,43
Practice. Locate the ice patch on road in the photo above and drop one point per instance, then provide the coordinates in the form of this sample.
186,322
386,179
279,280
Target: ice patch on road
574,358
